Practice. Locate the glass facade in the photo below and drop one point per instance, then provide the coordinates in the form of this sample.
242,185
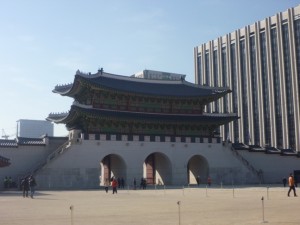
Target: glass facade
276,87
234,90
207,71
243,74
199,69
297,43
265,89
253,69
216,77
288,85
225,84
207,77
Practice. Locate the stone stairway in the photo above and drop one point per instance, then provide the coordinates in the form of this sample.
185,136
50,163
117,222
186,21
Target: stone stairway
52,156
246,163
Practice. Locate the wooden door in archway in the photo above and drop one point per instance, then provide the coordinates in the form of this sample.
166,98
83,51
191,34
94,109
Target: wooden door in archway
150,169
107,168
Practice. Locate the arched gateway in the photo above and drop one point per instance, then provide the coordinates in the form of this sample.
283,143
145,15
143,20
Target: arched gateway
197,169
165,110
112,166
157,169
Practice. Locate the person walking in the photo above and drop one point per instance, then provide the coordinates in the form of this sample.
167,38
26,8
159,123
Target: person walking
25,186
122,183
5,182
134,184
292,185
284,181
32,184
209,181
106,184
114,185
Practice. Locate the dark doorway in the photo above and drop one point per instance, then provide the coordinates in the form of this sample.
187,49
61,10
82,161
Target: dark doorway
197,170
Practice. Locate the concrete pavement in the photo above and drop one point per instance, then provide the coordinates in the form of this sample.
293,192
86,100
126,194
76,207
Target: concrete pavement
188,206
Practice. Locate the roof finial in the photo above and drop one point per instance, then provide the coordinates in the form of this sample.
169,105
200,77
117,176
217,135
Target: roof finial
100,70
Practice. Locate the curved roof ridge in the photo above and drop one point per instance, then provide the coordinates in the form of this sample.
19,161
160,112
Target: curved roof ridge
125,77
178,88
144,80
57,116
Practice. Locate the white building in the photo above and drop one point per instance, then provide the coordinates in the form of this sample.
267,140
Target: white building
34,128
158,75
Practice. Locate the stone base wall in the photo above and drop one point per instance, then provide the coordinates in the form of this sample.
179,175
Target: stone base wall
80,167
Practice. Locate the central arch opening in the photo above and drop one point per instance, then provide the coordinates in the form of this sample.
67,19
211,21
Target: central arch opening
157,169
112,166
197,170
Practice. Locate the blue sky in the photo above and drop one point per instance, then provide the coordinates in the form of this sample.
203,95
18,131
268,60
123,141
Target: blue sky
43,43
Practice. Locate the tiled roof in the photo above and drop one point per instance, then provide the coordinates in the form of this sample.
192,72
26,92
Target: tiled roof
141,86
30,141
4,143
76,110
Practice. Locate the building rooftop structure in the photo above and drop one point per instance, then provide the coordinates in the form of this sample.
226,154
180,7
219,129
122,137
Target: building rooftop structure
34,128
158,75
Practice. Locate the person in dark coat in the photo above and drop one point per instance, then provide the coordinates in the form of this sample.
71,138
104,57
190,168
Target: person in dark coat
32,184
284,182
134,184
25,186
122,183
106,185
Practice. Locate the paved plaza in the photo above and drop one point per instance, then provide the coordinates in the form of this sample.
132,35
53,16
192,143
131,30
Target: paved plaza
165,206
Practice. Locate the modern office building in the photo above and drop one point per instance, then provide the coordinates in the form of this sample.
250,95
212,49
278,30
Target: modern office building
34,128
260,63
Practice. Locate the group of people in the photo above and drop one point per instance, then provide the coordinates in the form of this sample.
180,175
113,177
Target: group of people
143,184
27,184
115,184
7,182
209,180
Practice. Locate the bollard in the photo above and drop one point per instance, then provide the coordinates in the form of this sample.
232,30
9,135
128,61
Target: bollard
72,208
268,193
263,210
164,189
179,219
183,190
206,190
233,191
